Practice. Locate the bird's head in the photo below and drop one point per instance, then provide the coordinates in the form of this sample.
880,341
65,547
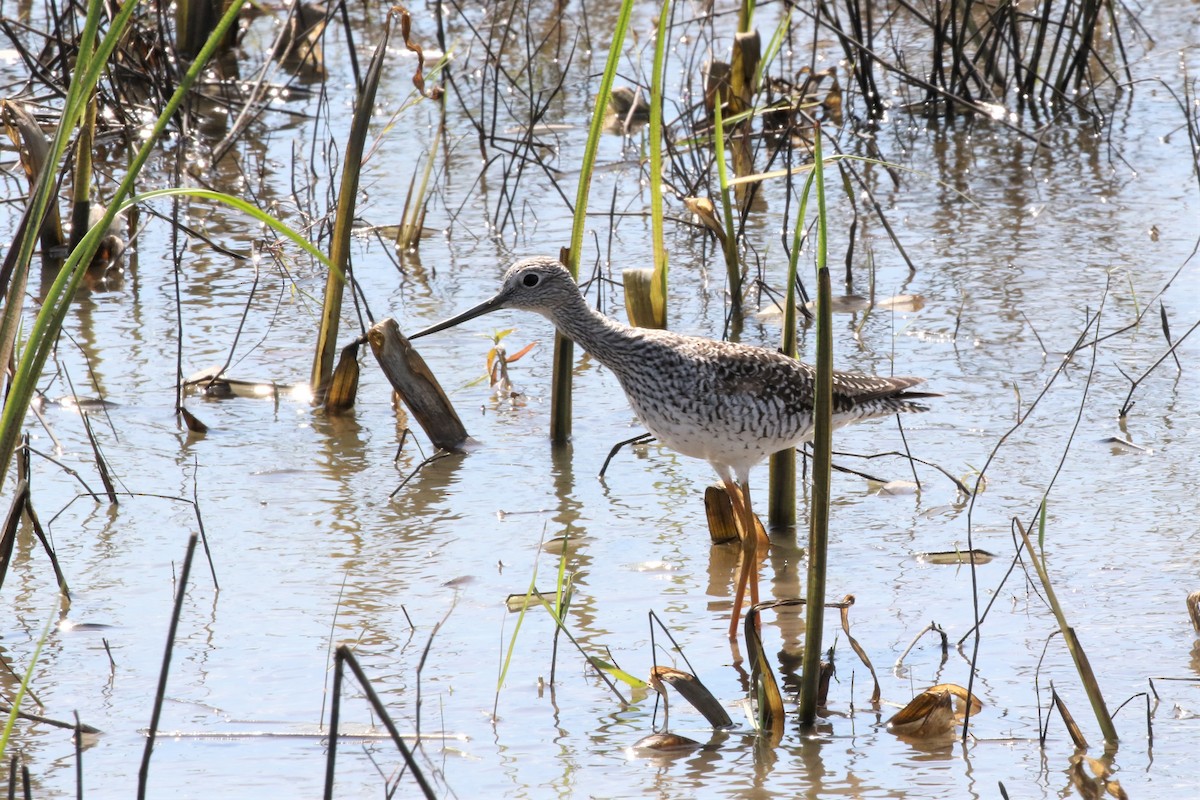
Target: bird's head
539,284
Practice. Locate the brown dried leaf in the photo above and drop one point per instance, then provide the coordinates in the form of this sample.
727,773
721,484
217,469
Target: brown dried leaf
1193,607
927,715
434,92
764,690
934,712
516,603
665,742
703,208
722,527
847,602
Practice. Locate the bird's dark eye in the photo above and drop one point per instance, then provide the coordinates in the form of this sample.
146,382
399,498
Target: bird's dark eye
530,279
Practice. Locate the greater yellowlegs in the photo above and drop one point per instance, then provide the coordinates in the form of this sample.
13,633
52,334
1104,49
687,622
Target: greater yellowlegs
729,404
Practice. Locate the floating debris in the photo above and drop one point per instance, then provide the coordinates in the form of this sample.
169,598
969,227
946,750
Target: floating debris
1120,446
902,302
530,600
956,557
663,743
212,383
934,713
893,487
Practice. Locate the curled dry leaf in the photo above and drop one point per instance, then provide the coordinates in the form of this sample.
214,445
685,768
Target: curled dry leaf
1121,446
433,92
764,690
193,424
721,525
213,383
557,546
691,689
704,209
934,712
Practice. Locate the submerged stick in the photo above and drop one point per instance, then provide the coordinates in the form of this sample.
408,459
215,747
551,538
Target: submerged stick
412,379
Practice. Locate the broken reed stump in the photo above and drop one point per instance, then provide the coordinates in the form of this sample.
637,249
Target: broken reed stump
416,385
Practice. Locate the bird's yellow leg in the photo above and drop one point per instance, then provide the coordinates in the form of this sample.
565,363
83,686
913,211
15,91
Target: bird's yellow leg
740,498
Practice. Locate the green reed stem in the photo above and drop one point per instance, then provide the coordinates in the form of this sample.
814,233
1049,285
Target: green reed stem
1083,666
781,488
564,349
822,444
733,269
339,244
27,678
658,284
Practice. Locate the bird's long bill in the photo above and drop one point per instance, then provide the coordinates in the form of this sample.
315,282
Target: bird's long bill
472,313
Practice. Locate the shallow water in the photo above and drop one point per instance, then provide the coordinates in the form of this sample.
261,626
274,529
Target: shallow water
309,548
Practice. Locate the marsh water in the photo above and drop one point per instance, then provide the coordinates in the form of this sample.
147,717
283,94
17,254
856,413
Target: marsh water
1018,245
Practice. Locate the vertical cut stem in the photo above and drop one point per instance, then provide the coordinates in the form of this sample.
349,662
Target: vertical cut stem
818,536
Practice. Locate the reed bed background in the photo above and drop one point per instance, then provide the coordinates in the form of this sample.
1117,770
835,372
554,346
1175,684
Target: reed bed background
748,142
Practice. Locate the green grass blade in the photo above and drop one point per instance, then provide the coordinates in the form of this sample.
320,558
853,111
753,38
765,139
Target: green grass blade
15,711
58,298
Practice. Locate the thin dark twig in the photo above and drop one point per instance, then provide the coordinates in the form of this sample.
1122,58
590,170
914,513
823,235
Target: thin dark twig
335,711
160,693
1089,324
1127,405
438,456
641,438
344,653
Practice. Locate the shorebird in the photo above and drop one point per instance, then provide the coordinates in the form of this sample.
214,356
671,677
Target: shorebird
727,403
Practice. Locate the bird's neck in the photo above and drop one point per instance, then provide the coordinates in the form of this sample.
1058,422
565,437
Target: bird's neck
605,339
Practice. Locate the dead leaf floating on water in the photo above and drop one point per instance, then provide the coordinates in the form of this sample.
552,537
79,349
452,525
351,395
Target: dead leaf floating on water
557,546
664,743
944,557
843,304
1120,446
893,487
193,424
213,383
933,713
902,302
